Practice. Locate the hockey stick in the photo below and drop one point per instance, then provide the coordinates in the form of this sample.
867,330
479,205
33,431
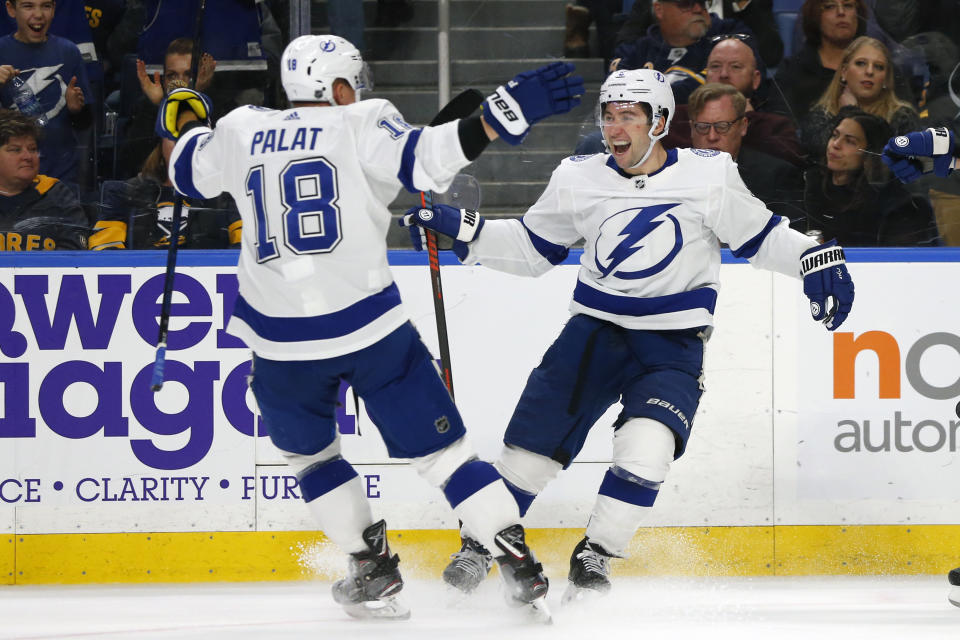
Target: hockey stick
160,359
461,106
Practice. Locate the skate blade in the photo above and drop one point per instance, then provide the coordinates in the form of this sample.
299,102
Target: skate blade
535,611
954,596
538,611
389,608
574,595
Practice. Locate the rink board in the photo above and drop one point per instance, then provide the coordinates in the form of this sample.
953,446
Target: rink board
836,457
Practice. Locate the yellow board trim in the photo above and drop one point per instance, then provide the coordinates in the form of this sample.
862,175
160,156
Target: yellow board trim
297,555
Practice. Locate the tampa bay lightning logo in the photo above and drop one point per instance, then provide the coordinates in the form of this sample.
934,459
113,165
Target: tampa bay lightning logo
328,46
622,236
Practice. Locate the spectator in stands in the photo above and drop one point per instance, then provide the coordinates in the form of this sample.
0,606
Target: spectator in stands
718,121
37,212
140,139
853,198
829,26
678,44
864,79
137,213
939,110
733,62
905,18
734,59
54,69
176,71
756,14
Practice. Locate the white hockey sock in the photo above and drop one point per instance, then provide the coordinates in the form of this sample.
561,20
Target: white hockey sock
613,523
482,501
487,512
336,499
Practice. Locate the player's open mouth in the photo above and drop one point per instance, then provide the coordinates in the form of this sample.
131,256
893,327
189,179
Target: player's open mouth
620,147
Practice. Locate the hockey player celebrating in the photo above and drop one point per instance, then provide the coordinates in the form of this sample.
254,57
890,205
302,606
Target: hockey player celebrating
910,156
317,302
652,221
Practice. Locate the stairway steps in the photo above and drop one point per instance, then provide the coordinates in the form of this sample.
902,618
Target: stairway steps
476,13
492,72
419,105
490,42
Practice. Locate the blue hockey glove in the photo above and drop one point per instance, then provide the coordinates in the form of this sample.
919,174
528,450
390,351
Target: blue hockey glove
463,225
827,283
530,97
921,152
176,100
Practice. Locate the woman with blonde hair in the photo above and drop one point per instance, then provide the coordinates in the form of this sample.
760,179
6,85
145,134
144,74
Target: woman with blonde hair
865,79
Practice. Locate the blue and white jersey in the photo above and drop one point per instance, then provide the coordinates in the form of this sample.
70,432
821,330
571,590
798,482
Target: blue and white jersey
312,186
651,257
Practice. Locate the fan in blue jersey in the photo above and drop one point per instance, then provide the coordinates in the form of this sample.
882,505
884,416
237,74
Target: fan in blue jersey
652,222
317,302
910,156
54,70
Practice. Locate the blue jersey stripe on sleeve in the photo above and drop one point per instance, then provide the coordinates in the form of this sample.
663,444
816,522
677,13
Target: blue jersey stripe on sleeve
322,327
554,253
408,160
703,298
751,246
183,169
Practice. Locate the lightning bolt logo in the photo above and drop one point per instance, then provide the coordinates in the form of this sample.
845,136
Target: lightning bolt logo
633,232
43,77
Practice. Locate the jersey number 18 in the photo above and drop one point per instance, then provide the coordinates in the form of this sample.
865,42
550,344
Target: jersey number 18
311,217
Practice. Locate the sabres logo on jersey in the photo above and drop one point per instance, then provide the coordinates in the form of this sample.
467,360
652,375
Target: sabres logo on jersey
638,242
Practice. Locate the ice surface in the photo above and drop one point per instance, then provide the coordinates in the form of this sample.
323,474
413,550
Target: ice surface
782,608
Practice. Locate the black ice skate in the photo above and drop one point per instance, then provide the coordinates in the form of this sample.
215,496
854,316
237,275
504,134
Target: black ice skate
522,574
589,568
468,567
373,581
954,596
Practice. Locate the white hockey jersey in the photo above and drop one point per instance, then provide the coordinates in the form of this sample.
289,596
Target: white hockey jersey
651,256
312,185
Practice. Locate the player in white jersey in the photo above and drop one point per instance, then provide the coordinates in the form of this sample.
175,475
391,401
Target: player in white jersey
317,302
934,150
652,221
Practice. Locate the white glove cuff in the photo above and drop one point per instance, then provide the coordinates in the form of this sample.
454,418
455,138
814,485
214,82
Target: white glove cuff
820,260
941,141
469,225
507,111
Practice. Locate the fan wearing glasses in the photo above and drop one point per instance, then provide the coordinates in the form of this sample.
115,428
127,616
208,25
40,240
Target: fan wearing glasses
678,44
733,62
718,121
756,14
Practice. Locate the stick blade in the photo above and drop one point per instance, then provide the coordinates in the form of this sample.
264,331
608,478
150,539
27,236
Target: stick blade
461,106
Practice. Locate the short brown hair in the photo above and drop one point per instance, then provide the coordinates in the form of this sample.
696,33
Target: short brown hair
14,124
714,91
181,46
